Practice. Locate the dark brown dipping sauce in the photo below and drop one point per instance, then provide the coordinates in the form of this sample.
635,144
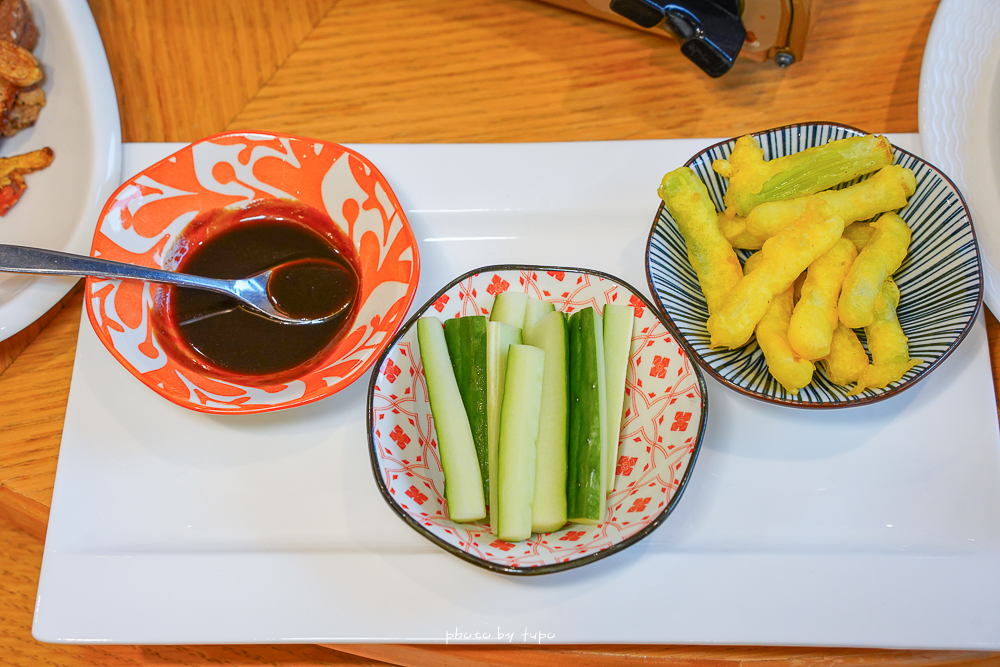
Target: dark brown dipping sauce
215,332
311,289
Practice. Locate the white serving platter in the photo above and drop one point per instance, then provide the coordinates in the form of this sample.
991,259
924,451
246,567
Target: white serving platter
80,123
872,526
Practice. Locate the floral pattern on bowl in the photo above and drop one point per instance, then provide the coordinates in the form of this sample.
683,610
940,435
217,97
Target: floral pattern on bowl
148,213
663,426
940,281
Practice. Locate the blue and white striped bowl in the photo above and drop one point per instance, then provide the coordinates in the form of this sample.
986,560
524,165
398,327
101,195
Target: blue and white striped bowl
940,281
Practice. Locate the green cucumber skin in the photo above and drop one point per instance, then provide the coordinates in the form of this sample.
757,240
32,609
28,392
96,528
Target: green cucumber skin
586,474
549,509
509,308
463,480
499,338
618,324
519,421
466,339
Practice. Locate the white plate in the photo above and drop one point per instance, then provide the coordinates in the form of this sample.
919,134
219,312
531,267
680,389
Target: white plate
797,527
80,123
960,117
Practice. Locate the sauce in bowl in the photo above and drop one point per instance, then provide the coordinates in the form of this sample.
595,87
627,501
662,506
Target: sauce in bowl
215,333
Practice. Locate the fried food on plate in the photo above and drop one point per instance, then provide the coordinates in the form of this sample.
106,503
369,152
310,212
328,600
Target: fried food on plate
814,319
783,257
878,260
886,342
735,231
754,181
789,369
12,171
21,94
713,259
887,190
18,66
860,233
847,358
17,25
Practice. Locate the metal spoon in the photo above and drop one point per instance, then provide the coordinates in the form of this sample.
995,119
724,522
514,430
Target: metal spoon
251,291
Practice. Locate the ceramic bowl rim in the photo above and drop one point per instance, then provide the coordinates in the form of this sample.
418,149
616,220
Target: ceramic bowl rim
866,400
553,567
413,282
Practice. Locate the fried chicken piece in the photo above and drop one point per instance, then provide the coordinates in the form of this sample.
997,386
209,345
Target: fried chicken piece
12,171
18,66
24,112
21,97
17,25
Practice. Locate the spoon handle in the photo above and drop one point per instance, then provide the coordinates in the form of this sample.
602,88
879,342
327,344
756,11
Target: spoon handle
19,259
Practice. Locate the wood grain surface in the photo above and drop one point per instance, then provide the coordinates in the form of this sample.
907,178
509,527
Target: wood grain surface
358,71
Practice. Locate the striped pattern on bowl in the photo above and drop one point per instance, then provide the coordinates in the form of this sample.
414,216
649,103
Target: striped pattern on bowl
940,281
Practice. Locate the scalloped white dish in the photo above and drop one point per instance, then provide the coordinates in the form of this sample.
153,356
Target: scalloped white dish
959,108
80,123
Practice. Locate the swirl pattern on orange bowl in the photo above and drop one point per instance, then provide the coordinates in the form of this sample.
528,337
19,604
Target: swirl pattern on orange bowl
151,210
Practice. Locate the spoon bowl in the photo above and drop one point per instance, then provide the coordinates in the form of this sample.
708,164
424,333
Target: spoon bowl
270,292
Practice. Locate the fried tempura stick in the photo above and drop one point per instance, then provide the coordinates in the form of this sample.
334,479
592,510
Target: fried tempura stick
860,233
847,358
887,190
713,259
752,181
814,319
735,231
789,369
886,342
877,261
784,257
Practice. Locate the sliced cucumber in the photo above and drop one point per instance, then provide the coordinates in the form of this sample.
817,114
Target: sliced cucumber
586,475
618,320
549,510
534,310
466,339
499,338
522,407
509,308
463,480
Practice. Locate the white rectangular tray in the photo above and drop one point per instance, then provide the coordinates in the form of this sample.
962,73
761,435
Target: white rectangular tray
872,526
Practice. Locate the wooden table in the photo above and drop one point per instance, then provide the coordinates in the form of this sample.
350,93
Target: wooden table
429,71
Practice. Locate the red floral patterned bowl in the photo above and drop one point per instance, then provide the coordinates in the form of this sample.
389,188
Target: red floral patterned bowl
149,212
662,431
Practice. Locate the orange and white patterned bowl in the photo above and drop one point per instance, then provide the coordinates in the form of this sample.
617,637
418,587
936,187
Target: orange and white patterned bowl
663,426
148,213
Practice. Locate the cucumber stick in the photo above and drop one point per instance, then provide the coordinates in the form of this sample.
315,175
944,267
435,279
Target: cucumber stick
466,339
549,510
499,338
463,480
519,420
586,474
618,321
509,308
534,311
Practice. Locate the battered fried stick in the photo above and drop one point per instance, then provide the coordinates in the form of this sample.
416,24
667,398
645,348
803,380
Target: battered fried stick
753,181
783,257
